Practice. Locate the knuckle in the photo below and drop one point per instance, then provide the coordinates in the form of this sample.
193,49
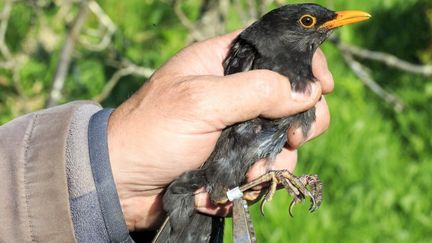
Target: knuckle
187,96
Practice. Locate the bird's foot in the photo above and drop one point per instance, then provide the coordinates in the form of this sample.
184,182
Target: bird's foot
298,187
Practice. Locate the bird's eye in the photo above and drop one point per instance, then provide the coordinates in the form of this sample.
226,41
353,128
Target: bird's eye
308,21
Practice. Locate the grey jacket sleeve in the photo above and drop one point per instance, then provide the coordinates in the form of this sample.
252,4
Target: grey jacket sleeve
47,189
34,205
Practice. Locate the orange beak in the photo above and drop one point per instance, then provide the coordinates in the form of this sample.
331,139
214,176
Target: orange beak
345,18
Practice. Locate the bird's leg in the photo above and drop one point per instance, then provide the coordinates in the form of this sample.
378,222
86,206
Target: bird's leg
270,192
297,187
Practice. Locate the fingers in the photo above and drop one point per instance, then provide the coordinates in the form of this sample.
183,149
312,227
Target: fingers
213,49
222,43
322,122
321,71
203,204
287,159
204,57
244,96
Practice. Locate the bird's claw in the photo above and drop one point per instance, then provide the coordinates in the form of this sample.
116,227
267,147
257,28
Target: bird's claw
315,186
309,186
304,186
298,187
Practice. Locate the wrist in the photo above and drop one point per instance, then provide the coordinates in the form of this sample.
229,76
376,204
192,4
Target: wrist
140,201
142,212
106,192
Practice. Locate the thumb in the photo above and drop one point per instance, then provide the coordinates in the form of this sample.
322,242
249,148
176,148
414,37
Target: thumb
247,95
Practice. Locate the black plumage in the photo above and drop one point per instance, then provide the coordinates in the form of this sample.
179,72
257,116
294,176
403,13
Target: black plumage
284,40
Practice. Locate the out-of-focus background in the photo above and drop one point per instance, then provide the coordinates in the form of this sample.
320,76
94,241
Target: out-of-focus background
375,160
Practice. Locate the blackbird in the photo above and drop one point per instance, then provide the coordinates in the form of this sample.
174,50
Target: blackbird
283,40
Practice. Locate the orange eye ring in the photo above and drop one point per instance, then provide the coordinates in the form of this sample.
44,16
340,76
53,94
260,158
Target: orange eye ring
307,21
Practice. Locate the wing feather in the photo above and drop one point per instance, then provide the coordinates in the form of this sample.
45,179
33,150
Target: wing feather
240,58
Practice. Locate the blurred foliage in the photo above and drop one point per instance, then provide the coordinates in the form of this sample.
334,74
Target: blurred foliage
376,164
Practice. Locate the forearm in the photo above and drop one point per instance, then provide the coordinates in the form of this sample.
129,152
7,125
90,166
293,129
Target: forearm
50,191
35,205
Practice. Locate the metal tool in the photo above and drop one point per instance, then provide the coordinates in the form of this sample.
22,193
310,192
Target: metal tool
243,230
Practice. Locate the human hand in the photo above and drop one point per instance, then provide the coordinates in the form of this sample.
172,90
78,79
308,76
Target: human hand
172,123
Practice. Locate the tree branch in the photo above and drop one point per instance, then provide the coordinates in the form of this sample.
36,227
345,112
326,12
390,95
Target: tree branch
253,11
104,20
128,69
385,58
65,56
210,23
364,76
241,12
263,8
11,62
5,15
186,22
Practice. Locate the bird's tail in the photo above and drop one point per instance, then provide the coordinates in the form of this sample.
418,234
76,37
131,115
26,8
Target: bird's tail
184,224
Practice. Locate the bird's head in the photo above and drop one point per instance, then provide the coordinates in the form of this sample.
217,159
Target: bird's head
299,27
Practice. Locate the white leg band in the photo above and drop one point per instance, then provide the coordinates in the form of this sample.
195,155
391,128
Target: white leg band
234,193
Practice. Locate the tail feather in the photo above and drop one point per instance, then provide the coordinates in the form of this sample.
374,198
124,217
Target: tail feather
184,223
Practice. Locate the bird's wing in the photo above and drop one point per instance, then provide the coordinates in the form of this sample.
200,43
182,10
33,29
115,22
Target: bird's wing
163,233
241,57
